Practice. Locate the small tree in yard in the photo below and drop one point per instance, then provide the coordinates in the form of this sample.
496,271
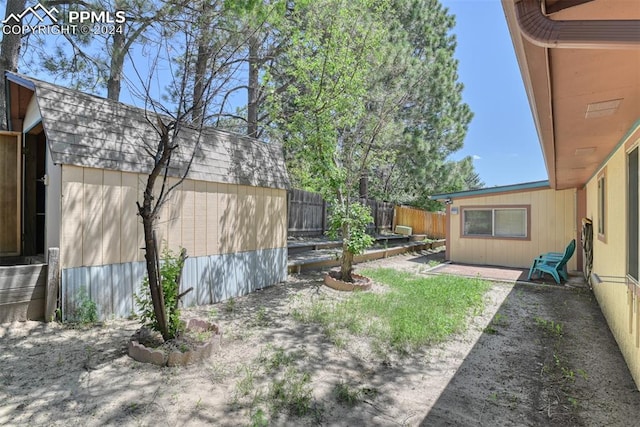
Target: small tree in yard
192,89
350,221
321,116
164,316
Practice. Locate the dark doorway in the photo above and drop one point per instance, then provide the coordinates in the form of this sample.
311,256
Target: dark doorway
34,191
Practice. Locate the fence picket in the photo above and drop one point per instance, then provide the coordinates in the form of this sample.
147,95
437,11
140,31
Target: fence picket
433,224
308,214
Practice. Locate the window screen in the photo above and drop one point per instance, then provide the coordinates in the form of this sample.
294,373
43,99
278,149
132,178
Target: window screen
511,222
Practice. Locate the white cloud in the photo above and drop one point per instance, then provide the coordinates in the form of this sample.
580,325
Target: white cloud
476,157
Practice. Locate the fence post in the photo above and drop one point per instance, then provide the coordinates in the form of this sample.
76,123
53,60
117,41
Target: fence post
324,216
393,217
376,218
53,278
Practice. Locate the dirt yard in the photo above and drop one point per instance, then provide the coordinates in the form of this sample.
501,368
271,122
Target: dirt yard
537,355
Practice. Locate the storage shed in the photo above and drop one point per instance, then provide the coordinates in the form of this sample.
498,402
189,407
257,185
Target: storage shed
76,164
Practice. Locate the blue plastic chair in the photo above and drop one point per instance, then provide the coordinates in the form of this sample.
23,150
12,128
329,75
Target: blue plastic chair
553,263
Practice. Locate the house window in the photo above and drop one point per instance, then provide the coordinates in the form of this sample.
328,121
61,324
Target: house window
633,258
602,204
499,222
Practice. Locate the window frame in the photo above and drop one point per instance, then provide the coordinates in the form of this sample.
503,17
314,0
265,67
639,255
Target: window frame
602,205
493,208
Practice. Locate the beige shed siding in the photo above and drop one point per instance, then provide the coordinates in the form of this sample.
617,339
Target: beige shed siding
188,215
552,226
609,258
212,235
128,208
72,212
171,215
100,225
227,219
200,218
111,218
92,232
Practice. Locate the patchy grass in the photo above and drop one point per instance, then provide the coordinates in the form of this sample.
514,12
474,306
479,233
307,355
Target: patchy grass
292,392
549,326
499,320
351,396
415,311
271,385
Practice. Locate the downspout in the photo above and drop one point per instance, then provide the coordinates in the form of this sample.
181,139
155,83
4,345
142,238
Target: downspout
585,34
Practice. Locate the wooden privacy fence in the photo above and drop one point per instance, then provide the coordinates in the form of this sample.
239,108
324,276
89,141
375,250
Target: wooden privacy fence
307,214
433,224
382,213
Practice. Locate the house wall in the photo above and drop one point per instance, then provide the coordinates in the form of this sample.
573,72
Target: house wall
235,237
616,299
552,226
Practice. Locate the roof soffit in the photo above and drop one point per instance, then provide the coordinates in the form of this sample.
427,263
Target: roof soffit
562,83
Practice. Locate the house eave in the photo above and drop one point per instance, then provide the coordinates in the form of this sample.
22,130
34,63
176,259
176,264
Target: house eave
514,188
568,76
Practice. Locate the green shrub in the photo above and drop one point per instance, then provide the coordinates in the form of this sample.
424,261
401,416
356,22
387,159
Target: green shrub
86,310
170,268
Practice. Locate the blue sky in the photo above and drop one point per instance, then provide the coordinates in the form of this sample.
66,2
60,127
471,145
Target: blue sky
501,137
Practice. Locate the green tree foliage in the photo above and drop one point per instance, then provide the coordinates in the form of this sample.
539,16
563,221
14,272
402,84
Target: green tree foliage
431,121
371,89
383,72
357,218
320,116
368,88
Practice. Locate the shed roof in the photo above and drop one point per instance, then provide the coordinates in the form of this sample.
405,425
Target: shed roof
535,185
89,131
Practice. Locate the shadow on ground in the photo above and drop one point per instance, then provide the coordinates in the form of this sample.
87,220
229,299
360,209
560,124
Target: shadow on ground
547,358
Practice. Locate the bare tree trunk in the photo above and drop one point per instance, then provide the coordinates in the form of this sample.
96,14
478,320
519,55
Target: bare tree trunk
114,82
199,83
346,265
148,212
151,256
9,54
252,92
202,63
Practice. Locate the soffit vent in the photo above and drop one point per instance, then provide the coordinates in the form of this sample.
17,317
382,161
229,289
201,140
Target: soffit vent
601,109
585,151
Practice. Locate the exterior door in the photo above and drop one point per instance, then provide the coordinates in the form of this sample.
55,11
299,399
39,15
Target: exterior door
10,192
